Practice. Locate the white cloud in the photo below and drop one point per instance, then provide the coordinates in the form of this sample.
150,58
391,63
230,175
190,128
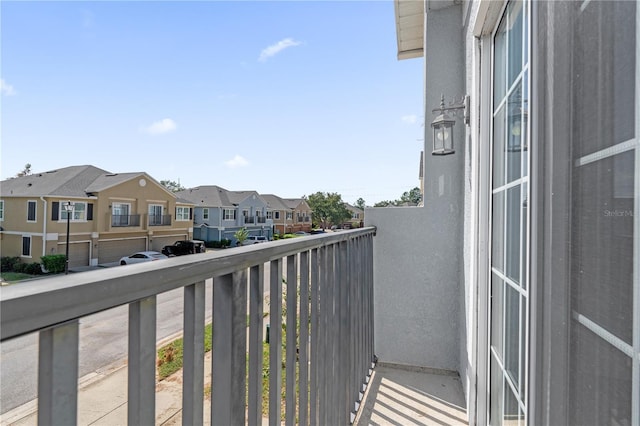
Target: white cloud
6,88
410,119
274,49
237,161
159,127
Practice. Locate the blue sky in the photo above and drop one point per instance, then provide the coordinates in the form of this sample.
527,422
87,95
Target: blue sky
287,97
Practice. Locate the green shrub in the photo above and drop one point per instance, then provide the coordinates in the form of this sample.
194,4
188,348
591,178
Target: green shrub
225,242
54,263
33,268
8,264
20,267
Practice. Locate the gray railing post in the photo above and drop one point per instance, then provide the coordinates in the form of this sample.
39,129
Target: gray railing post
303,403
275,342
142,362
291,355
256,309
315,332
58,375
229,349
193,354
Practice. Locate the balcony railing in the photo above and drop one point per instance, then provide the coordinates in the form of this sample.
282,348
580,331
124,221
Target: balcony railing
261,219
331,274
249,219
125,220
160,220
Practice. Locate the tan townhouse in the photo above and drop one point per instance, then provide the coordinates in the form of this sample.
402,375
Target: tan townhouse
112,215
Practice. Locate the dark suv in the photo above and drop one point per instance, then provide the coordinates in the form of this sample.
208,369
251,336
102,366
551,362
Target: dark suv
184,247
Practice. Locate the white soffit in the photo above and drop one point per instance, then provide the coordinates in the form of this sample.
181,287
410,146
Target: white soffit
409,28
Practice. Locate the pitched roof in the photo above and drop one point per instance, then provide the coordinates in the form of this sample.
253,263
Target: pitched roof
67,182
275,203
215,196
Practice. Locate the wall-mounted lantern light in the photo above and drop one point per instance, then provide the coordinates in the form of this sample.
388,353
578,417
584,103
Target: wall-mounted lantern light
443,125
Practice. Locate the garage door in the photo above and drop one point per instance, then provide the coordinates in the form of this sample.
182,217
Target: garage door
78,253
113,250
159,242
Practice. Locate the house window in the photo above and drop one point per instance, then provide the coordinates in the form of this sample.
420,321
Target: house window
205,214
269,214
289,215
229,214
155,215
79,212
276,215
510,219
31,211
1,209
26,245
120,214
182,213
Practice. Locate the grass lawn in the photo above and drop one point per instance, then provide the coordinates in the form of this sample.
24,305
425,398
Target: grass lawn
12,277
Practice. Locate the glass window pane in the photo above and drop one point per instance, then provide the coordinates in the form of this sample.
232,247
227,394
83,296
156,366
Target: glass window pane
524,239
497,388
511,408
512,243
499,63
524,126
602,241
512,333
498,148
514,40
514,134
600,381
497,249
496,313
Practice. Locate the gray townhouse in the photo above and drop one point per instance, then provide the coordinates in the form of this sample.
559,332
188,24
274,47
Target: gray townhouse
219,213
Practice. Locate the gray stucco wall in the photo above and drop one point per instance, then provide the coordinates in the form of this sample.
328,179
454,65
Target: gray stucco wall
416,289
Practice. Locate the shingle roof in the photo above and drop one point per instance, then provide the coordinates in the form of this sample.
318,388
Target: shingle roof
67,182
215,196
275,203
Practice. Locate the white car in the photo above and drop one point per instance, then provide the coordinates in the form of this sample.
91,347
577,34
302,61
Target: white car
142,256
255,239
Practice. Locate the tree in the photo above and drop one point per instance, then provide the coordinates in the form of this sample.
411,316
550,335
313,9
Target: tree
241,235
414,196
360,203
26,171
328,209
172,186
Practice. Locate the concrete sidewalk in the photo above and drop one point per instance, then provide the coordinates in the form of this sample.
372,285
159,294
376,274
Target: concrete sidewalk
102,399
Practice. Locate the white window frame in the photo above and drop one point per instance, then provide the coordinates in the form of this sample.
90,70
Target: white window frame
276,215
205,213
79,214
180,213
269,214
1,210
35,211
289,215
228,214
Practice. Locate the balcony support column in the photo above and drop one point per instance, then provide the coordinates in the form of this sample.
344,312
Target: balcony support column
58,375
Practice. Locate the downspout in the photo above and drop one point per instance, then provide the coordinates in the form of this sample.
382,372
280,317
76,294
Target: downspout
44,227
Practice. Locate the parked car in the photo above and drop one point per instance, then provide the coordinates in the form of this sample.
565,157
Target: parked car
317,231
255,239
142,256
183,247
300,233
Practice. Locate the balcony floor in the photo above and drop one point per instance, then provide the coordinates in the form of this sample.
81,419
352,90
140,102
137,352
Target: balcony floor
405,396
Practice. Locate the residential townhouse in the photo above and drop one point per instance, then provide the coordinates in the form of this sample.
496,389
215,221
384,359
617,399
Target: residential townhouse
220,213
357,217
301,214
114,214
